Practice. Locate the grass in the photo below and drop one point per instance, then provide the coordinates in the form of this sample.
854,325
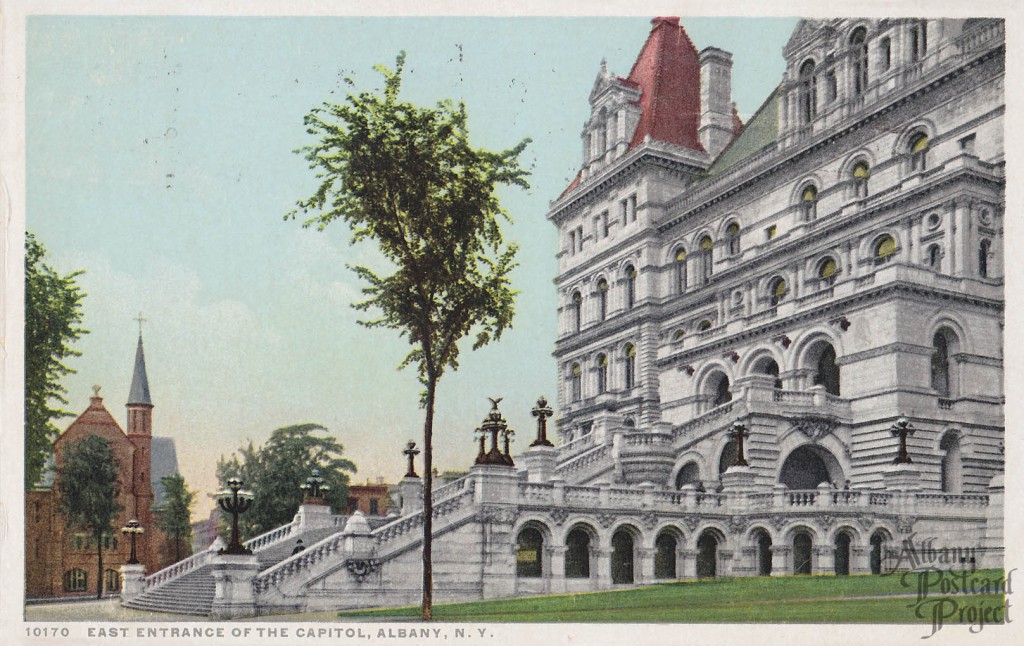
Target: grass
791,599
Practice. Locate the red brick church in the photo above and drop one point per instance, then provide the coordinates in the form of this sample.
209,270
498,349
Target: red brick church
62,562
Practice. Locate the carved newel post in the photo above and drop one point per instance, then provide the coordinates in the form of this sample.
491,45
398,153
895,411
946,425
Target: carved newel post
234,567
411,452
902,429
494,424
542,412
411,487
739,477
314,488
902,475
133,573
739,433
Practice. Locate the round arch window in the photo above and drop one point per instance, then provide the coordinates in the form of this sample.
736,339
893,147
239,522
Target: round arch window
885,248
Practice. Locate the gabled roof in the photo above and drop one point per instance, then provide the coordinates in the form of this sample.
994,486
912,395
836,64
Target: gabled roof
668,73
95,420
139,393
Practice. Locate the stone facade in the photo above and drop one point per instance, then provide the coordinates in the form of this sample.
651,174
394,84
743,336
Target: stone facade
803,280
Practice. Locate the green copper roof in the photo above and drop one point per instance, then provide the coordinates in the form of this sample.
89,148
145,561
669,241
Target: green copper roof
762,130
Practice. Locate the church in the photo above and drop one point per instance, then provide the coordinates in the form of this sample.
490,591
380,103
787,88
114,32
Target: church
779,344
62,562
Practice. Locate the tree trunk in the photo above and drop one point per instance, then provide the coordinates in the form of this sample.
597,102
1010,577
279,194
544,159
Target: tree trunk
428,502
99,554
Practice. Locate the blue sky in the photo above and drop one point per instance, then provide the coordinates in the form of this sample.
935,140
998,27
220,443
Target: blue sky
159,160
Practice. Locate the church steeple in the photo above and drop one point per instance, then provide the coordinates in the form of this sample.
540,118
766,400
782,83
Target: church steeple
140,406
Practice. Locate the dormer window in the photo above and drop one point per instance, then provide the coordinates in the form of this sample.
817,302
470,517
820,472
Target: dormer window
860,175
808,92
859,45
918,151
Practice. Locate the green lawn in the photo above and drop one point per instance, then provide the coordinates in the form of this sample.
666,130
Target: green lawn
791,599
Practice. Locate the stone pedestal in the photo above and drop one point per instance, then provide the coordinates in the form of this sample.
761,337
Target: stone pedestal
357,540
823,560
411,490
556,560
495,484
737,479
539,462
688,564
313,515
232,576
902,477
782,560
994,541
133,581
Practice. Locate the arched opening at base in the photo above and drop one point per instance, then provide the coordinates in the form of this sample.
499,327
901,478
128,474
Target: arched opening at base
810,465
842,554
764,553
707,555
802,553
878,541
665,556
622,557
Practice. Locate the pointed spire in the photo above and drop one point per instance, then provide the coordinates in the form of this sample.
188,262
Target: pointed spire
139,393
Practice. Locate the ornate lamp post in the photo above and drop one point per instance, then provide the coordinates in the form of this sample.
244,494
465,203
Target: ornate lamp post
235,501
314,486
506,434
481,456
739,433
902,429
411,452
493,424
132,529
542,412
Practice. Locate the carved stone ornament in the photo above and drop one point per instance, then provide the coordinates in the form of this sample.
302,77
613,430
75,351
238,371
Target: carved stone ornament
865,522
737,525
905,524
826,520
362,568
559,515
815,428
606,520
499,514
691,521
778,522
650,519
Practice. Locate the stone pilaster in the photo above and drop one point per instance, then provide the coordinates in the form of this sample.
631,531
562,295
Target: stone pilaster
411,490
232,576
133,581
687,564
782,560
556,559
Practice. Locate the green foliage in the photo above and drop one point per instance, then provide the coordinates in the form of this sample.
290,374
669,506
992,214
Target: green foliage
53,317
407,178
275,471
175,517
87,489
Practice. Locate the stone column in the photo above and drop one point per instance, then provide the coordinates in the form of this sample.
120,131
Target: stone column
556,568
643,565
782,560
602,573
724,565
860,559
232,575
687,564
133,581
824,559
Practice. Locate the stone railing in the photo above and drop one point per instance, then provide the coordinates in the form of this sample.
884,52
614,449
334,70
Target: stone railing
177,570
975,40
452,488
535,493
583,496
801,497
878,499
575,447
800,397
702,420
267,539
625,498
401,526
761,500
952,500
584,459
646,439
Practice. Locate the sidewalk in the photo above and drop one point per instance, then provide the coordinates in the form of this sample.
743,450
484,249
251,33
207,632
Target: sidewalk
97,610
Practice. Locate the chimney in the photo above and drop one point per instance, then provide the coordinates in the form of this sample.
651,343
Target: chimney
716,120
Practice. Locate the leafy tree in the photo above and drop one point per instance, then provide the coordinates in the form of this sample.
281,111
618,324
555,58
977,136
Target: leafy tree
406,178
175,517
53,317
87,486
275,471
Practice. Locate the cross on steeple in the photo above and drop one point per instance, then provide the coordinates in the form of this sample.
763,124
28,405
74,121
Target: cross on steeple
141,321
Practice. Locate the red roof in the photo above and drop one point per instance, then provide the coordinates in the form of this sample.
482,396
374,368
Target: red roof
668,73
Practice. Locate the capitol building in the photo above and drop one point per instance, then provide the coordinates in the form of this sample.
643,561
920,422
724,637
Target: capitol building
780,343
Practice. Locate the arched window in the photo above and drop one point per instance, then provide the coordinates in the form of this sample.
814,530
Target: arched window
732,234
630,366
704,325
945,344
777,291
885,54
827,271
842,554
689,474
630,287
918,152
770,367
859,45
76,580
802,545
529,553
952,467
860,175
622,557
707,250
111,580
602,373
935,257
719,384
602,295
680,270
577,382
827,370
809,202
577,554
878,552
885,249
983,252
577,311
678,334
808,92
918,40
